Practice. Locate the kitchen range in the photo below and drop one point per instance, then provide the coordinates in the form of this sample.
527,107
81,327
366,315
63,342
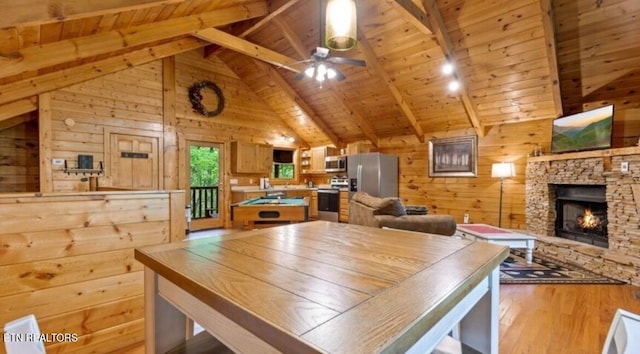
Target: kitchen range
329,199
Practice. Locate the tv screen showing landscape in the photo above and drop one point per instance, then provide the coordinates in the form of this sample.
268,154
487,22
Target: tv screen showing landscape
589,130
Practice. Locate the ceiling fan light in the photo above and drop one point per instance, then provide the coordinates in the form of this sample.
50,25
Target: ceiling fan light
309,71
340,25
331,73
321,72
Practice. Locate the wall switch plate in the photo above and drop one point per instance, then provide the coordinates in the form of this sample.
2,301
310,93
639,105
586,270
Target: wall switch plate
466,218
624,166
233,181
250,180
57,162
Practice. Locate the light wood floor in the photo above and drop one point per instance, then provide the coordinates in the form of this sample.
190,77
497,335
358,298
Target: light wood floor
546,319
561,318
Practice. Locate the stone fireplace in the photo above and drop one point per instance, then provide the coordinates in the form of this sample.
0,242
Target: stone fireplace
560,189
581,214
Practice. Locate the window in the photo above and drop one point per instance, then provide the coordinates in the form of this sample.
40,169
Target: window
283,166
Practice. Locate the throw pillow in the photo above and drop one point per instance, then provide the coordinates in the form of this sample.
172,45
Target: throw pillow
392,206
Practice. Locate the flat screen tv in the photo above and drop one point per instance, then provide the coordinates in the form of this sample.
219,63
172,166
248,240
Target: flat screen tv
589,130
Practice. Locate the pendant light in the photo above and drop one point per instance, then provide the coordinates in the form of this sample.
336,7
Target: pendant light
340,25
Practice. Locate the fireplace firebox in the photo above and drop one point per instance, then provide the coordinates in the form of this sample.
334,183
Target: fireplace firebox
581,213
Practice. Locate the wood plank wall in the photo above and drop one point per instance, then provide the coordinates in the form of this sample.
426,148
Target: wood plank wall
478,196
245,116
19,168
601,66
126,101
68,259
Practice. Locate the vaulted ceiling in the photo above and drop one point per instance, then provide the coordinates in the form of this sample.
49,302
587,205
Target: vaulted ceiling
504,52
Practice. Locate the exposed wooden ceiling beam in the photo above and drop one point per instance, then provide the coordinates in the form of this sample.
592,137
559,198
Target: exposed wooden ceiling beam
245,28
372,61
304,107
38,57
275,9
440,31
550,42
292,38
38,12
242,46
339,96
15,121
363,124
17,108
412,14
58,79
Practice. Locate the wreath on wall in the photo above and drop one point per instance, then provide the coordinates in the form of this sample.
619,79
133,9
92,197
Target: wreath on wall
195,96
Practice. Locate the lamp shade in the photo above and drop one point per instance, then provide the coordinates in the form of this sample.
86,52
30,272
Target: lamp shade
340,25
503,170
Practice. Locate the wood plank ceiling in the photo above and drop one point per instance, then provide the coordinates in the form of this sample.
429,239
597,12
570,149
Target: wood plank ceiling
504,52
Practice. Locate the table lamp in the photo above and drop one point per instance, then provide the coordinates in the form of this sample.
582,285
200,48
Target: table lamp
502,170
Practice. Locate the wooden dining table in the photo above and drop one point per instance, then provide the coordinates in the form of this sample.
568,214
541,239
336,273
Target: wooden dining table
324,287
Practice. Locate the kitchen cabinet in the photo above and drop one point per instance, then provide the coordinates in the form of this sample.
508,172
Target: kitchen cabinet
251,158
312,160
313,200
344,207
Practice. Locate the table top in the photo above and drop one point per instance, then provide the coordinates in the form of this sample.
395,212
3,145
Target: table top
328,287
491,232
272,200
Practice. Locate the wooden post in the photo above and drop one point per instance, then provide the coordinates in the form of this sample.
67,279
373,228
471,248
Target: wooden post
176,216
170,138
45,132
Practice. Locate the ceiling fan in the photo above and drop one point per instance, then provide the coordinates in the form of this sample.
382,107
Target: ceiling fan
322,65
337,19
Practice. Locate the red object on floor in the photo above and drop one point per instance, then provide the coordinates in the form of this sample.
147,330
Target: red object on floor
485,229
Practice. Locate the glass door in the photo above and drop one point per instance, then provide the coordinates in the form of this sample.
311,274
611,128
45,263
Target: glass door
204,192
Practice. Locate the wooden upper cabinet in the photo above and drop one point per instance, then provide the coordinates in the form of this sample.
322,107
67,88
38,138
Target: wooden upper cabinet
251,158
265,158
316,157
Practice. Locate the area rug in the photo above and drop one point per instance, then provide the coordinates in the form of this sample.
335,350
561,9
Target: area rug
514,270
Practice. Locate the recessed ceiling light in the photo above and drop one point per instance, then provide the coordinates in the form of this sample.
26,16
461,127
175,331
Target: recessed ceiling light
447,68
454,85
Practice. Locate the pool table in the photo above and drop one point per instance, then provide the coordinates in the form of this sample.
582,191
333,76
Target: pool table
271,209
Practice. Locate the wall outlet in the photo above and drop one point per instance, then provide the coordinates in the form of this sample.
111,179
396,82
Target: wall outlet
250,180
466,218
233,181
57,162
624,166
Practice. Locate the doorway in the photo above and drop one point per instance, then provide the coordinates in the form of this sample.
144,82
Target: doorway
204,192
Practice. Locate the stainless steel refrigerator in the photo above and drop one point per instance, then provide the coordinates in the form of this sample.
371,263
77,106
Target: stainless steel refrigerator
373,173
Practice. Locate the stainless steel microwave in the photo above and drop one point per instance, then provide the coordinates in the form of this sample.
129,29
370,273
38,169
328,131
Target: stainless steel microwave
335,164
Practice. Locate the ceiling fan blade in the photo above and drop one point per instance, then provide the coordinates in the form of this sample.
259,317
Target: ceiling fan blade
348,61
339,75
299,76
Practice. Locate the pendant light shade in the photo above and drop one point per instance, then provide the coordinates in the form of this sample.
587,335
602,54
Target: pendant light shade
341,25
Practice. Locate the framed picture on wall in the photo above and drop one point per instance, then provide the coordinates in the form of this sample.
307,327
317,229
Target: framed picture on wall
453,157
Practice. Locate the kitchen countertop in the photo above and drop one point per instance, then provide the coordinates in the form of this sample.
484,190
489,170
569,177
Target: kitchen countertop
279,188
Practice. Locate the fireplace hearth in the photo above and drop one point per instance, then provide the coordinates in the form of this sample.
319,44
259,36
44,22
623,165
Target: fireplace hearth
582,214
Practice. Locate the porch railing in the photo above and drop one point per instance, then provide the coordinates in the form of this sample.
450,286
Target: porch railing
204,202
